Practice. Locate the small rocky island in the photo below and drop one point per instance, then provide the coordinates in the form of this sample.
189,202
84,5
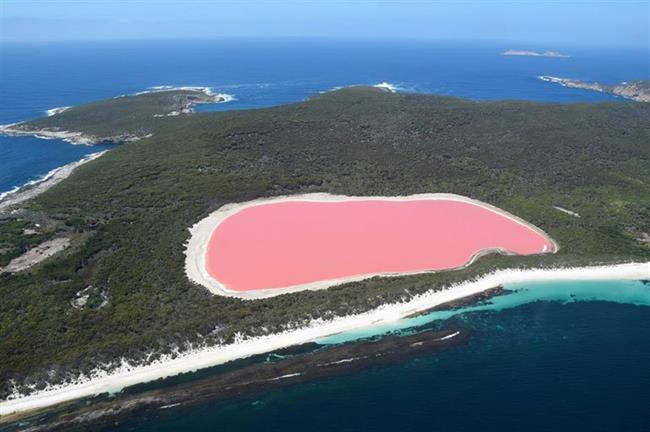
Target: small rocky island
635,90
527,53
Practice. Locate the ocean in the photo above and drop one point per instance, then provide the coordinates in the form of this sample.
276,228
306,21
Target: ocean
562,356
36,77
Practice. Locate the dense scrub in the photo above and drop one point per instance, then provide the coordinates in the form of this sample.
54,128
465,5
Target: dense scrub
135,205
113,120
16,237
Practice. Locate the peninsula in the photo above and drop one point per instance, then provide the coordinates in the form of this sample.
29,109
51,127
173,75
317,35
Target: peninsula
635,90
108,303
122,119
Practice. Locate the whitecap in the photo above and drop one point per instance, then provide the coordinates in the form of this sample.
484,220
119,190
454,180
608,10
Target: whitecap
9,192
387,86
57,110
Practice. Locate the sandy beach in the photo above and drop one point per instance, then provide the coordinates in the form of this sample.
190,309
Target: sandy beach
197,246
127,375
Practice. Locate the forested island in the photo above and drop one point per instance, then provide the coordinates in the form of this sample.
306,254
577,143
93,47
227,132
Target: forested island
118,289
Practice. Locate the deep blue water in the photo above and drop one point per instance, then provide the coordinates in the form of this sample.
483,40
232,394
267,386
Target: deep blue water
25,158
36,77
565,356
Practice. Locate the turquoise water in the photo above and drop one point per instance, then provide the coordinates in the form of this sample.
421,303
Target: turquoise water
560,356
629,292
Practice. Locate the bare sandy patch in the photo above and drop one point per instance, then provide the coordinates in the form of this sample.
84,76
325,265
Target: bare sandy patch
36,255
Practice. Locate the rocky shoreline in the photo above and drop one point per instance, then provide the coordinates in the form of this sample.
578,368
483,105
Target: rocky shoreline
72,137
191,96
638,91
32,189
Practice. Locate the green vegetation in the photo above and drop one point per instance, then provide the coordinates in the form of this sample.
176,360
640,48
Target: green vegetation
121,117
16,237
134,206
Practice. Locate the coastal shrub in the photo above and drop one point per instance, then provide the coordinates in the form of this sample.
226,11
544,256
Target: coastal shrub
132,207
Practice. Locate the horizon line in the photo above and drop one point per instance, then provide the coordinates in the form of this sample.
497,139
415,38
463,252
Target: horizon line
512,42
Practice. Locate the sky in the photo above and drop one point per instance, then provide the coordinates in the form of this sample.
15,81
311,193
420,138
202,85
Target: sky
619,22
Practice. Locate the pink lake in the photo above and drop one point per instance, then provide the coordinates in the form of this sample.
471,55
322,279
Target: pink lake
290,243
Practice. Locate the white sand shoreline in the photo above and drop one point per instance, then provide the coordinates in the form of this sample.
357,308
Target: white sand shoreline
196,248
192,360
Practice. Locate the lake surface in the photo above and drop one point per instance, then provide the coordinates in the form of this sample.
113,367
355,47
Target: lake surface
296,243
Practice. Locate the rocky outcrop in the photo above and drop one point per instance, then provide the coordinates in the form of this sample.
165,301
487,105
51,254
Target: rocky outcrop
635,90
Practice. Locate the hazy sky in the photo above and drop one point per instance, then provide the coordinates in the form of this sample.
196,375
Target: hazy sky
548,22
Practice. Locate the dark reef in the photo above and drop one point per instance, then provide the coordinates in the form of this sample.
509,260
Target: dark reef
291,370
129,210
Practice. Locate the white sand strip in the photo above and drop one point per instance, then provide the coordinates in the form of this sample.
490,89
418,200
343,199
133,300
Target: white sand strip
192,360
37,187
569,212
196,248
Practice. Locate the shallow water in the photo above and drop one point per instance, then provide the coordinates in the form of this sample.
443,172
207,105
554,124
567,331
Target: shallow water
551,356
626,292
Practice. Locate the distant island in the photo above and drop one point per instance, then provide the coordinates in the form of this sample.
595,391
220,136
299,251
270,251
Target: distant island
635,90
527,53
